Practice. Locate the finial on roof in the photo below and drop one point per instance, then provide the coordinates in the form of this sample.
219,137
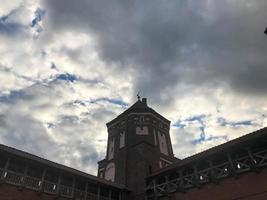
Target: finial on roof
138,96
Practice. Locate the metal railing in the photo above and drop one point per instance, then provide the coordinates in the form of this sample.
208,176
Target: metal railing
20,179
91,196
49,187
32,183
232,167
65,191
13,178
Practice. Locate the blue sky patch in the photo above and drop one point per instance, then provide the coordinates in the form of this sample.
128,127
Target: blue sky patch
39,14
112,101
12,96
182,123
9,28
66,77
223,122
179,124
196,118
210,138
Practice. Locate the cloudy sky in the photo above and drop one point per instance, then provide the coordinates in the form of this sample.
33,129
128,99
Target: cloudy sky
68,67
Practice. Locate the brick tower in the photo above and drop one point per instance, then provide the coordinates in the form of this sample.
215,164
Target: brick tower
138,144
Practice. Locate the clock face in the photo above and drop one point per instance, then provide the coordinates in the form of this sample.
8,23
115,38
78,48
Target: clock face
142,130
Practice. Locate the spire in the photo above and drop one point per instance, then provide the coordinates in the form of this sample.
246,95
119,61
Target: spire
138,96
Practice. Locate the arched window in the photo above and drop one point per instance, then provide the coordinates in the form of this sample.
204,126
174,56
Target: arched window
110,172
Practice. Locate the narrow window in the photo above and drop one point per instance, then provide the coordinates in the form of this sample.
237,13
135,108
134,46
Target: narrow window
155,137
111,149
122,139
163,143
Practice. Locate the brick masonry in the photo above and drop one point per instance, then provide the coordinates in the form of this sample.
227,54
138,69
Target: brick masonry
10,192
248,186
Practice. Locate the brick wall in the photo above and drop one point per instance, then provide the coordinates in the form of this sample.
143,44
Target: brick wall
248,186
9,192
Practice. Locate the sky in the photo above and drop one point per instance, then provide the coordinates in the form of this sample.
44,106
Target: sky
69,67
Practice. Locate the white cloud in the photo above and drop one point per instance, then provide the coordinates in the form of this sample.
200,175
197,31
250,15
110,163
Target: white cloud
57,86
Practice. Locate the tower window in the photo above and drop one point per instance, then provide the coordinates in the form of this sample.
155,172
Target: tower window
155,137
142,119
111,148
163,143
122,139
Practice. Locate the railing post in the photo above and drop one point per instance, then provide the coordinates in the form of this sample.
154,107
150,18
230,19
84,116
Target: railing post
254,164
41,183
58,185
98,192
181,185
86,190
5,170
24,176
196,176
73,187
213,176
232,166
120,197
42,180
155,190
109,193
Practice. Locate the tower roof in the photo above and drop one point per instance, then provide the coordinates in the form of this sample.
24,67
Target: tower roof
140,106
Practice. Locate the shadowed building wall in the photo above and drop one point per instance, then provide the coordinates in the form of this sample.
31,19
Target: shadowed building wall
138,144
231,171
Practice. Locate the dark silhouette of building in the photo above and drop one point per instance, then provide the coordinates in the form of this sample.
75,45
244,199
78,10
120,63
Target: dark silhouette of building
138,144
140,165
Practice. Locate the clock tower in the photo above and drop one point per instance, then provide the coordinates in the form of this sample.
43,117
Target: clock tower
138,145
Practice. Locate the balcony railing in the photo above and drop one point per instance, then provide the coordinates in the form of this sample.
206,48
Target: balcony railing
91,196
32,183
13,178
19,179
66,191
231,167
49,187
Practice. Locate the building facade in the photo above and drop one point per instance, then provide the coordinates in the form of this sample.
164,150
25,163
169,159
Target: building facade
140,165
138,145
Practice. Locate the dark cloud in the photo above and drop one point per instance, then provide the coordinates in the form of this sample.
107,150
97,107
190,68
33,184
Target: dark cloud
174,42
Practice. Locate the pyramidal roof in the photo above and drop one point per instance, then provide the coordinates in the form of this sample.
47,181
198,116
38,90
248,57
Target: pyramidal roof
140,106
